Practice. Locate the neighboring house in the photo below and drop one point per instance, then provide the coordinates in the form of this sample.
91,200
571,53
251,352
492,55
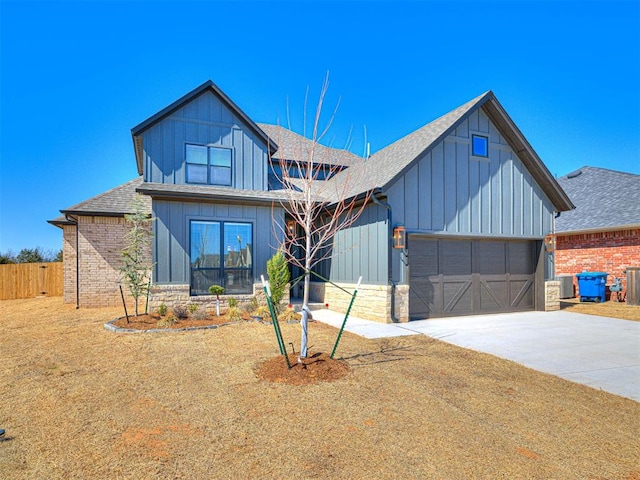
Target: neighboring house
467,193
602,234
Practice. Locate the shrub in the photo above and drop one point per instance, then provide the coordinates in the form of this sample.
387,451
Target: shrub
180,311
278,272
248,307
162,309
167,321
262,312
233,302
234,314
216,290
289,315
200,314
193,307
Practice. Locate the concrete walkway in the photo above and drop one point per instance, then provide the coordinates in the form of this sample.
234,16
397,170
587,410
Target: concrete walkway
600,352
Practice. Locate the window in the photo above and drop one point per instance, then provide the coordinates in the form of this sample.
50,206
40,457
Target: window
221,254
479,146
208,165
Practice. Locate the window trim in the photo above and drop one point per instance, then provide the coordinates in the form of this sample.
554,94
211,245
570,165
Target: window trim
222,252
473,151
209,164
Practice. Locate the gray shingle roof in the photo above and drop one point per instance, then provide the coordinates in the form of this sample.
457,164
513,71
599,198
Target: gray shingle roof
605,199
385,165
208,192
116,201
292,145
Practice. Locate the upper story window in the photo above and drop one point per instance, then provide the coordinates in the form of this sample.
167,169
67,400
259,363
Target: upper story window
208,165
479,146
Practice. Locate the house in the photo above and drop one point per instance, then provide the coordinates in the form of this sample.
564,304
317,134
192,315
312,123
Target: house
465,197
602,234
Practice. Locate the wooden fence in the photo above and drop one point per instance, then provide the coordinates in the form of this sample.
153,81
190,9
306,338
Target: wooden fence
30,280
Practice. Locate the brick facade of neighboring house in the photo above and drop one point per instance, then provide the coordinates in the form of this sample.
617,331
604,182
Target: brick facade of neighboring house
611,252
602,234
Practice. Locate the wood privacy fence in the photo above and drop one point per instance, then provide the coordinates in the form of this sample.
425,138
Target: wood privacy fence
29,280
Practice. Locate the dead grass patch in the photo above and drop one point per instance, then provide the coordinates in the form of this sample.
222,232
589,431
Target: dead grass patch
79,401
620,310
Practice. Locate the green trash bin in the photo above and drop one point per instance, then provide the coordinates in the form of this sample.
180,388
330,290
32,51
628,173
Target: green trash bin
592,286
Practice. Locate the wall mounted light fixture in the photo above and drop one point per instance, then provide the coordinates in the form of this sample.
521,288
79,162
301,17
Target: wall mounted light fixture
399,237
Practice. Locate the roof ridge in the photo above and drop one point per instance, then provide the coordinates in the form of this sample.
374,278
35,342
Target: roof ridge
589,167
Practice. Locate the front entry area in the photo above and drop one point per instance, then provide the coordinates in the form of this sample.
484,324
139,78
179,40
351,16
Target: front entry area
454,277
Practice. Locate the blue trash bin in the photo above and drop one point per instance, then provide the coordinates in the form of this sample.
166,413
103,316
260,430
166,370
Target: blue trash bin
592,286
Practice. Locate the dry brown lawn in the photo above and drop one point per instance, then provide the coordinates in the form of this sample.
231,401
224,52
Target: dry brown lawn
78,401
607,309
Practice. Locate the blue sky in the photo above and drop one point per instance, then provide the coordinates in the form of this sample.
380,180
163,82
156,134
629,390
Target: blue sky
75,77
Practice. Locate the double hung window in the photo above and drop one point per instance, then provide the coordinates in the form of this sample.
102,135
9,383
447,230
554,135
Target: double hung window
221,254
208,165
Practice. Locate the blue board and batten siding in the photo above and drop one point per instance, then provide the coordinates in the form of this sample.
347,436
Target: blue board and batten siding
361,250
171,235
450,192
205,120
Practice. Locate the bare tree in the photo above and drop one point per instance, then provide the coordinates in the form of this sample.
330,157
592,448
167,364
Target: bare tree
320,208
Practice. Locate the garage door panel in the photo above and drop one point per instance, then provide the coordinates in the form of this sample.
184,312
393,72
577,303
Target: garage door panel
465,277
493,295
521,294
492,258
521,258
458,296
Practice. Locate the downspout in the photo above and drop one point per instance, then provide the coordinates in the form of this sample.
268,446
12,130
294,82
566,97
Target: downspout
385,205
75,222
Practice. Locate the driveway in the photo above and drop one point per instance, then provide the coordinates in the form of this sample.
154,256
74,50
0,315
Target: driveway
600,352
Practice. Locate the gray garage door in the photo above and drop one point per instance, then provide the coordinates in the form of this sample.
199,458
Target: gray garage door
450,277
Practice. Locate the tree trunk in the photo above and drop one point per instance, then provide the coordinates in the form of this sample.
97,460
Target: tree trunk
304,322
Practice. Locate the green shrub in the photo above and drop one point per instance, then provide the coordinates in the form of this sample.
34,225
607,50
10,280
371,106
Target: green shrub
193,307
216,290
233,302
278,272
162,309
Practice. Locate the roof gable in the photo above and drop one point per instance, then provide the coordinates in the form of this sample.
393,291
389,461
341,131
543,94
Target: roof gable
208,86
393,161
604,199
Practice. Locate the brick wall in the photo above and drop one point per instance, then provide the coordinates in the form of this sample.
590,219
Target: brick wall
100,245
610,252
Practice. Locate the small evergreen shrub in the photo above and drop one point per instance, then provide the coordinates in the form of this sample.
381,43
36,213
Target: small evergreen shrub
278,272
233,302
193,307
162,310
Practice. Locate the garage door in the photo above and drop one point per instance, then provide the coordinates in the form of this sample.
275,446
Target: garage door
450,277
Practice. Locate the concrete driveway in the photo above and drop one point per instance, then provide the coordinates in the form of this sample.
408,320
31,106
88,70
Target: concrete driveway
600,352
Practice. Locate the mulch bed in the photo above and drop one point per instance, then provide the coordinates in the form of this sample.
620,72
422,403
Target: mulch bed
317,367
150,321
